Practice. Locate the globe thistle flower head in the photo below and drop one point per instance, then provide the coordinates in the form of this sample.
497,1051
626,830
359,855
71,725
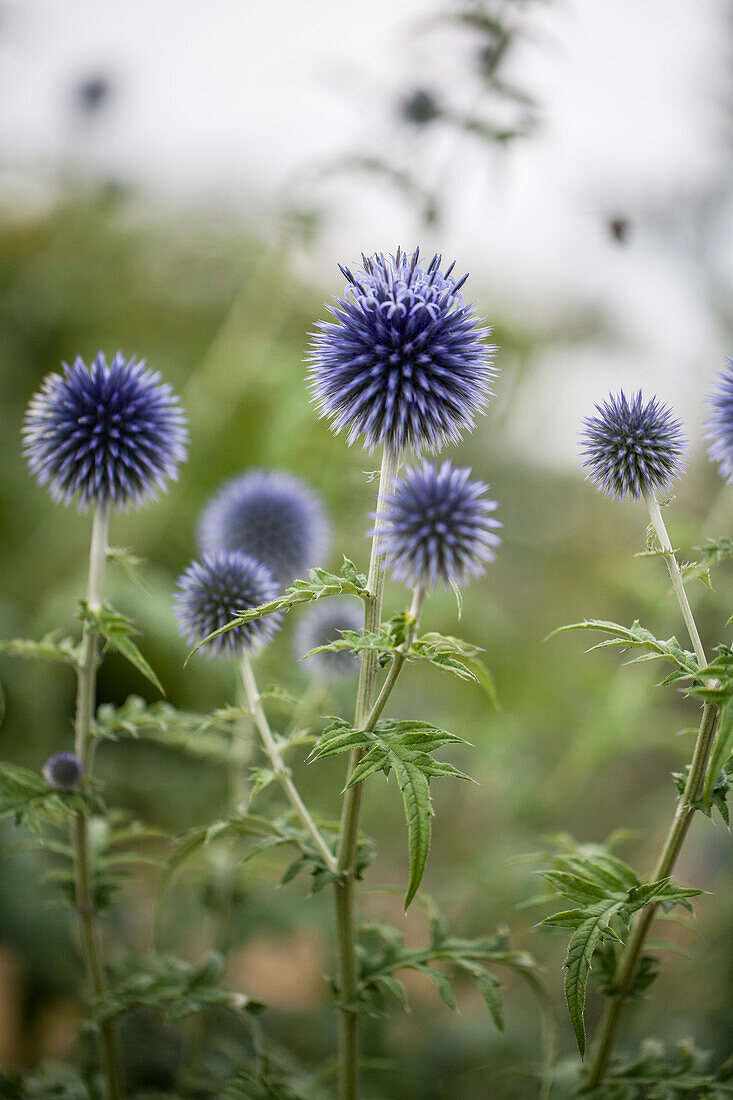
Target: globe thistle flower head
437,525
63,771
273,517
404,361
110,435
322,623
213,590
633,446
720,424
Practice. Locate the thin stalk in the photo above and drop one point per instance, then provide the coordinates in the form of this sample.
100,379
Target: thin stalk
84,744
349,830
655,515
282,772
680,824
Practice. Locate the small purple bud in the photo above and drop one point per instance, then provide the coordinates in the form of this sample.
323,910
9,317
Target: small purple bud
63,771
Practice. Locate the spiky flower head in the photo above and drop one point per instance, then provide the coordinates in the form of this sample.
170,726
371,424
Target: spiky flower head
437,525
111,435
63,771
213,590
274,517
633,446
322,623
404,361
720,424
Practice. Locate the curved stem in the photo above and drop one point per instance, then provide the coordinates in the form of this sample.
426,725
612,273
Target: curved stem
681,822
84,745
282,772
349,830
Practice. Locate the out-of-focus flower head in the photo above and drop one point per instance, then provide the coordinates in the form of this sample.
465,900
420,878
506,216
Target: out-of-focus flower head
720,424
322,623
111,435
274,517
404,362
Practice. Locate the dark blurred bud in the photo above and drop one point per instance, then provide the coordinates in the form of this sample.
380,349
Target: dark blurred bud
63,771
92,93
619,228
420,108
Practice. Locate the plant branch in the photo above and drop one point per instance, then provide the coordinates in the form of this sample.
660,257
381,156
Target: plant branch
349,830
282,772
675,576
84,743
678,830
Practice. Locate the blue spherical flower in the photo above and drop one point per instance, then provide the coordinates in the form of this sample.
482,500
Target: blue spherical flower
720,424
63,771
111,435
633,446
404,362
322,623
437,526
271,516
213,590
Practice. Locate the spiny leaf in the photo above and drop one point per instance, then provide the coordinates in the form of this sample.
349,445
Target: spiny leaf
28,797
638,637
405,748
582,944
712,553
52,647
172,986
118,632
130,564
320,584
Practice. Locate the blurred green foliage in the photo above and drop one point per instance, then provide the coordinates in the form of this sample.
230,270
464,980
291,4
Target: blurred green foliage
579,746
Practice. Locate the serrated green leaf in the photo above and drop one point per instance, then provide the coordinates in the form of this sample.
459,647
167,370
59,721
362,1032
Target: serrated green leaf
52,647
440,980
320,585
637,637
130,564
574,887
404,747
582,944
118,631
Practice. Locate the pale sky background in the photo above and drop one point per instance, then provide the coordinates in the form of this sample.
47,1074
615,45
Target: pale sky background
236,103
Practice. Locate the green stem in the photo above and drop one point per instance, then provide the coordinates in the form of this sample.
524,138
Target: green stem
665,866
282,772
84,746
678,830
349,830
675,576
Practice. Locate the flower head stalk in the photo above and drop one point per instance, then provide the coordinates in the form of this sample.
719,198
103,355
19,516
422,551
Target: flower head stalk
272,517
637,447
404,363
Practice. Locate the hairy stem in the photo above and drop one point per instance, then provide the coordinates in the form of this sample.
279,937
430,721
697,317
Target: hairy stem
84,745
349,830
677,833
282,772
